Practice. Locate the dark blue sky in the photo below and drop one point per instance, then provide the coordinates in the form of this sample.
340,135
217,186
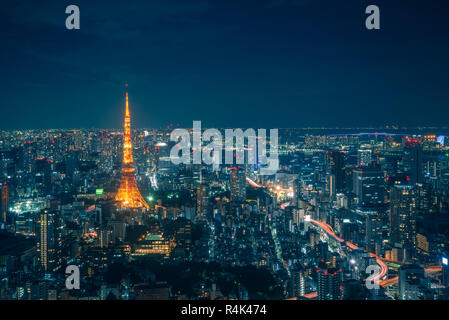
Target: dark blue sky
246,63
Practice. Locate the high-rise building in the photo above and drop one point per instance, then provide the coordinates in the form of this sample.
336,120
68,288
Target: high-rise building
43,240
410,281
375,219
331,186
403,217
423,198
336,163
329,283
184,238
42,170
238,184
72,162
369,185
364,157
297,282
4,201
128,193
201,200
49,241
413,161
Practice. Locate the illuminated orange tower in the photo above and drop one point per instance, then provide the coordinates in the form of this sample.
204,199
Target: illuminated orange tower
128,194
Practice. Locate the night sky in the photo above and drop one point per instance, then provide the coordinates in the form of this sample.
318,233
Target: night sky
271,64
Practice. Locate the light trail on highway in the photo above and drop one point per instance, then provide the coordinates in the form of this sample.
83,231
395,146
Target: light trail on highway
328,229
253,183
384,268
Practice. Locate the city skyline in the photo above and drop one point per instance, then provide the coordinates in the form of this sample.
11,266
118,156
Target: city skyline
338,209
264,151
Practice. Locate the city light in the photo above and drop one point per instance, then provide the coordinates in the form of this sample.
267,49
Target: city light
264,150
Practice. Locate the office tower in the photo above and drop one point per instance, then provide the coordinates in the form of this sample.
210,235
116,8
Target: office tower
349,177
403,217
331,186
72,162
366,260
374,219
104,238
42,170
336,163
410,281
3,164
296,191
364,157
298,216
413,161
118,230
4,202
238,185
369,185
201,200
184,238
350,231
30,153
297,281
322,250
43,245
329,284
432,168
128,193
423,198
49,241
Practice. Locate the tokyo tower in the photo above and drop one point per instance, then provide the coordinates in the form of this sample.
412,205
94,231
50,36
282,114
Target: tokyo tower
128,194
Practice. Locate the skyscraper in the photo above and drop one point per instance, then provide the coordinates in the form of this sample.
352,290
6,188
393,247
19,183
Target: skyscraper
238,184
128,194
49,241
331,185
369,185
336,162
364,156
43,239
375,218
410,279
4,201
329,283
413,161
403,217
297,282
201,200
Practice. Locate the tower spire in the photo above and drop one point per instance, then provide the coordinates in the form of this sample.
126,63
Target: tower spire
127,104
